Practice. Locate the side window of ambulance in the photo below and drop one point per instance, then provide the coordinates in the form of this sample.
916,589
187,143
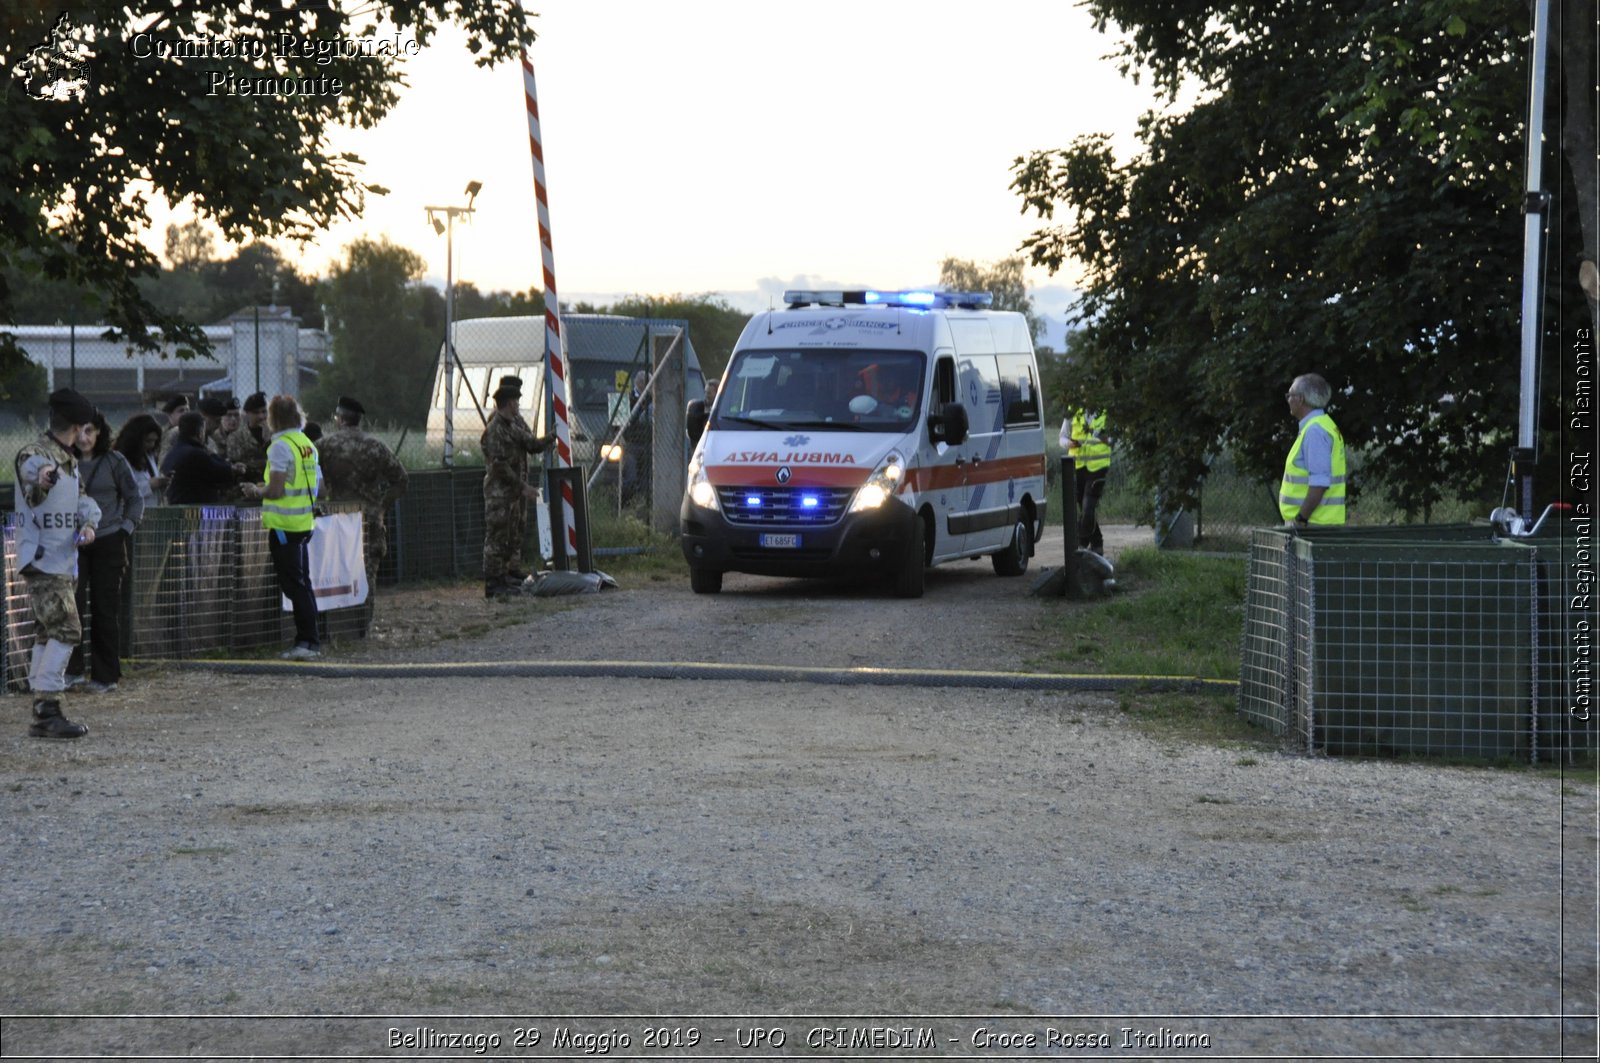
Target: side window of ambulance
1019,390
979,387
944,382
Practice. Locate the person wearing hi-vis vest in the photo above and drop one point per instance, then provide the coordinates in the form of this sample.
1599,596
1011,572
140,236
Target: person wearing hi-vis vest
1315,472
288,499
1087,444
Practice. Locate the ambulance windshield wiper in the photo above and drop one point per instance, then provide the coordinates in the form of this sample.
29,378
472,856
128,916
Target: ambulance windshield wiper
755,421
832,426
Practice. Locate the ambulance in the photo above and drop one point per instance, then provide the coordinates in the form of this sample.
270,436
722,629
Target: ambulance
869,432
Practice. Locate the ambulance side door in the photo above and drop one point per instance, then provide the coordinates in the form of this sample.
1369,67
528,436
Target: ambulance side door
942,478
983,519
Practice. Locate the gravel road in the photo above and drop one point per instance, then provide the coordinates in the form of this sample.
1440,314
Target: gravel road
394,856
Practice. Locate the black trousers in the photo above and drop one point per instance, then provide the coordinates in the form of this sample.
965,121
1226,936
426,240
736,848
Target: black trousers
291,559
1091,485
102,572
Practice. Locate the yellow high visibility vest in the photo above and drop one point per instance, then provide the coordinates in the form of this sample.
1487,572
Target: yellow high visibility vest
1091,454
1297,481
294,511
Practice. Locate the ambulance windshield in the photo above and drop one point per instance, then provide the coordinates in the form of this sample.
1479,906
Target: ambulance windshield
823,389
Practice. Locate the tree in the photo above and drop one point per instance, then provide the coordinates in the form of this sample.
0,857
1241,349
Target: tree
129,108
387,327
1003,280
1304,216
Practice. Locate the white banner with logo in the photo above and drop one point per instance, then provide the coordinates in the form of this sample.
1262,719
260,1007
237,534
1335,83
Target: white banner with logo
338,574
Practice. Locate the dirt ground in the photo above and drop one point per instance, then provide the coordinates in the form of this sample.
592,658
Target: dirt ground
356,866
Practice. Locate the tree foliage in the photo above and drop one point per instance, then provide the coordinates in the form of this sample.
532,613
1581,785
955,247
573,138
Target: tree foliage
80,166
1305,215
387,326
1002,279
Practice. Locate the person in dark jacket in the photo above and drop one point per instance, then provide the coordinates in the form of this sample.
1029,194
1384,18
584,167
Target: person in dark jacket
195,476
105,476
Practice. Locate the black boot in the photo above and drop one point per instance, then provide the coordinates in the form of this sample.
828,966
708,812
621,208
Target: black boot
49,723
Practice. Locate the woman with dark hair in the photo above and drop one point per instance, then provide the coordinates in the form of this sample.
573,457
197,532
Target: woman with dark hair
103,565
140,442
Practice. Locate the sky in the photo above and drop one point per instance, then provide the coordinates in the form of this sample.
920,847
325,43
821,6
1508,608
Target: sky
742,147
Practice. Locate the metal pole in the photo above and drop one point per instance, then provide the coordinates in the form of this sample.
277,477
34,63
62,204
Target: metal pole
450,340
257,310
72,352
1535,205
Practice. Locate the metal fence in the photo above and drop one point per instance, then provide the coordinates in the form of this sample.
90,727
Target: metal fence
201,581
1409,640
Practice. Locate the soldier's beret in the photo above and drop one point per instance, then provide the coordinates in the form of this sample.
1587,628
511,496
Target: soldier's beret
174,404
258,401
72,406
233,402
349,405
213,407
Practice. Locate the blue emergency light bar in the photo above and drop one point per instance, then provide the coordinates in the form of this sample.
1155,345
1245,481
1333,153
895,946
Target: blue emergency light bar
917,298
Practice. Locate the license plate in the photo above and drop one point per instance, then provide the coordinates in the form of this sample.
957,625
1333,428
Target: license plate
780,542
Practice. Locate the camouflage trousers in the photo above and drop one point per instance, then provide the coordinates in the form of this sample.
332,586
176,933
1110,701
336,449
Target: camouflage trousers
53,600
374,542
505,523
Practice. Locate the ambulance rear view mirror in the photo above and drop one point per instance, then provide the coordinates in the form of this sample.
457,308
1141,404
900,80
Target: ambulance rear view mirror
695,417
949,425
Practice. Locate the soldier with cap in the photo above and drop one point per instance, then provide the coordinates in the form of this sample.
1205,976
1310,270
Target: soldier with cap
248,446
231,415
357,467
507,441
55,518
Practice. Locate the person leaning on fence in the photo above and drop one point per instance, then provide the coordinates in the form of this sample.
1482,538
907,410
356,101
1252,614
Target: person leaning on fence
195,476
1315,472
139,442
359,468
507,441
248,446
105,476
288,499
1087,444
54,518
174,409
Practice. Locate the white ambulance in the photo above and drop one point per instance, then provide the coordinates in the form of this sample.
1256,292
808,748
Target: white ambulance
869,431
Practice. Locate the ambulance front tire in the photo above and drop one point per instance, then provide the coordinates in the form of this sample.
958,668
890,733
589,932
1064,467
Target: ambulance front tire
908,578
705,580
1013,560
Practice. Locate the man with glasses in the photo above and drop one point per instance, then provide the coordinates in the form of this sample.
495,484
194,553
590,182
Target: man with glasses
1315,472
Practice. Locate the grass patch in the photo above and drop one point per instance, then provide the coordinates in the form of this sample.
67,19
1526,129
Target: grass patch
1175,615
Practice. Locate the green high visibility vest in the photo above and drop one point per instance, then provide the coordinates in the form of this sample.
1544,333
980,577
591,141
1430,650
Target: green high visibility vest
1297,480
294,511
1091,454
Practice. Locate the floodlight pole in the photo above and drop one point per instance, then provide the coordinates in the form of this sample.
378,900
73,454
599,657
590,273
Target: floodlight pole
450,314
1535,208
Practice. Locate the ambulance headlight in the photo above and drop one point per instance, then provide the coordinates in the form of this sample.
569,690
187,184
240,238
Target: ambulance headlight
881,485
701,493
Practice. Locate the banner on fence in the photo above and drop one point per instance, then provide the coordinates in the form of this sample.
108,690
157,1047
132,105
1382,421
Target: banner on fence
338,575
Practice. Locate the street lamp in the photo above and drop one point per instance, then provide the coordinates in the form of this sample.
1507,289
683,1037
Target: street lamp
448,228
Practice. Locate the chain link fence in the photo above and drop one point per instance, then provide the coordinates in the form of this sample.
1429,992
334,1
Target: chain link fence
1410,640
201,582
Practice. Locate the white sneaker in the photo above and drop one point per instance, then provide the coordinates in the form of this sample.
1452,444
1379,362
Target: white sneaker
302,653
76,681
94,686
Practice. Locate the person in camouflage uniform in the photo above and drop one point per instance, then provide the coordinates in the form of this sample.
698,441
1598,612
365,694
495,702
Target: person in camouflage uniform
358,468
248,446
54,518
507,441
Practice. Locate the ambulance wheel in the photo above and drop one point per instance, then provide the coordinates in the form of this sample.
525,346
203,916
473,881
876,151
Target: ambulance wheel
1013,560
705,580
908,580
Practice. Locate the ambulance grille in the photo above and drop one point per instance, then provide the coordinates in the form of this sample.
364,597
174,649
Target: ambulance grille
812,506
